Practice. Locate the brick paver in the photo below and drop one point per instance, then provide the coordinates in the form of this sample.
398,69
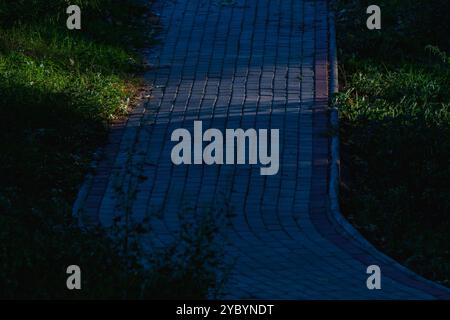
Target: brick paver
244,64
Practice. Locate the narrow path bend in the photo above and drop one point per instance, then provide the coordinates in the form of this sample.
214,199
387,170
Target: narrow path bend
245,64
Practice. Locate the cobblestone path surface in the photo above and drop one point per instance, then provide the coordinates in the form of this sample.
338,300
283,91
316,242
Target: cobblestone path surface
244,64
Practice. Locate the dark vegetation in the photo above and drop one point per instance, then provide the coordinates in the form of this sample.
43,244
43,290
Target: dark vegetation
395,129
59,89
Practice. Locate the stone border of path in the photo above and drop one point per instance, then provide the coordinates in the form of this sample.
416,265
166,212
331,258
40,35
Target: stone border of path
91,192
334,211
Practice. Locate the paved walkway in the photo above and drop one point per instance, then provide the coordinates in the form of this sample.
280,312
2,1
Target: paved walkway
245,64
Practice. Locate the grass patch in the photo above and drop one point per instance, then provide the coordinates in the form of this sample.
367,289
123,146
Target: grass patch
59,89
395,130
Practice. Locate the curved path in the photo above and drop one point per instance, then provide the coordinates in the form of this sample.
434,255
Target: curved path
245,64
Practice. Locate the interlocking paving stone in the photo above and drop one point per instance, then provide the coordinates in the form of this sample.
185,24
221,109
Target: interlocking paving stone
244,64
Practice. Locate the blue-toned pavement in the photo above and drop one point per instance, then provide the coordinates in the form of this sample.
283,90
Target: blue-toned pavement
245,64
